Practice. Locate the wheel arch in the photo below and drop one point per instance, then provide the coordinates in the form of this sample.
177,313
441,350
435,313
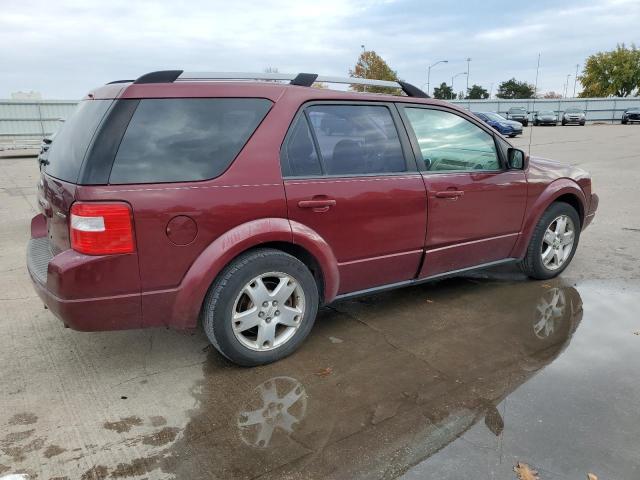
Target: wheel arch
277,233
562,190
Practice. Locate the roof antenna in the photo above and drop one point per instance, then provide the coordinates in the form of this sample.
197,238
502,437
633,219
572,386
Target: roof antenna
535,94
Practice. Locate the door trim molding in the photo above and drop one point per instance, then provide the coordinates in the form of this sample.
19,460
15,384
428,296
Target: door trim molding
380,257
472,242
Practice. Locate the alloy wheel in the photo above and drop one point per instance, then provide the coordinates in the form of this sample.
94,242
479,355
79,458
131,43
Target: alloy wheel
557,243
268,311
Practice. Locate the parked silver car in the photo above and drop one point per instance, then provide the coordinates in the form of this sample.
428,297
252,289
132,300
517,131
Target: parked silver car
574,115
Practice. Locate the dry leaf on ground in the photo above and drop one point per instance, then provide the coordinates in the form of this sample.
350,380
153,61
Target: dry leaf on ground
525,472
429,301
592,476
325,372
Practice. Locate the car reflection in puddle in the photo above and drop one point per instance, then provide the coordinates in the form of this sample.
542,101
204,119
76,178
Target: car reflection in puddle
280,403
382,383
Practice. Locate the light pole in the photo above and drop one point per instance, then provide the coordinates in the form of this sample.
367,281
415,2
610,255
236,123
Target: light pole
429,74
452,78
566,85
366,66
575,80
490,90
467,90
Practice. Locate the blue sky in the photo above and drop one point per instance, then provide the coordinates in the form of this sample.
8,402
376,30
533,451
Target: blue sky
65,48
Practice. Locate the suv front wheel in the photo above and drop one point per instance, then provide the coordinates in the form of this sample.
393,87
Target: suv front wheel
261,307
553,243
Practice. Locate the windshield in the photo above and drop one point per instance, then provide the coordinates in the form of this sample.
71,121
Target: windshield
634,109
546,112
517,110
494,116
574,110
73,138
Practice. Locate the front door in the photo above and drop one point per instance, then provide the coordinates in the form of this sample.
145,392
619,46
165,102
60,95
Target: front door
348,178
476,204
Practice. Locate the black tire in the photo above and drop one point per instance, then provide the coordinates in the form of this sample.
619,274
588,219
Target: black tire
564,123
624,122
219,303
532,264
526,123
582,124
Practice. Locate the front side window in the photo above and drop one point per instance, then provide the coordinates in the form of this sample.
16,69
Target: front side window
356,139
185,139
449,142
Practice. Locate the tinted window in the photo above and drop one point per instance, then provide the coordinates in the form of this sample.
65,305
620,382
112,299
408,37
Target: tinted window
178,140
300,151
357,139
448,142
70,145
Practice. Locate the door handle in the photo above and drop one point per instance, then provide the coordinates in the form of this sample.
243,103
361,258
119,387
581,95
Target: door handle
453,194
319,205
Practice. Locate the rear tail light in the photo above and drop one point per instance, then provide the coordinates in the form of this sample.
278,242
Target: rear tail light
101,228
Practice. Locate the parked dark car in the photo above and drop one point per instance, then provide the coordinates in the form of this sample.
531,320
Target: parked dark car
574,115
545,117
508,128
179,199
631,115
519,114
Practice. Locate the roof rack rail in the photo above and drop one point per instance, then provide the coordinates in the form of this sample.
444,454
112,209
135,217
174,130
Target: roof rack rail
300,79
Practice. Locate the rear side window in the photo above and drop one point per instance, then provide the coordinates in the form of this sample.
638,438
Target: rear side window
350,140
71,142
186,139
301,153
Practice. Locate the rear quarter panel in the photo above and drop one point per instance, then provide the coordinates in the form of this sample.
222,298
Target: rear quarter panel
250,189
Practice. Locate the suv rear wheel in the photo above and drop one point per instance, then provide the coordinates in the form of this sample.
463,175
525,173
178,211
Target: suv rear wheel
553,243
261,307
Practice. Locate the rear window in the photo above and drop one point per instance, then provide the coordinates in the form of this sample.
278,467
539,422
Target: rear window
71,142
186,139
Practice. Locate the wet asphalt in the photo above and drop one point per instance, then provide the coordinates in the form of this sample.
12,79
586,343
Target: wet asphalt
459,379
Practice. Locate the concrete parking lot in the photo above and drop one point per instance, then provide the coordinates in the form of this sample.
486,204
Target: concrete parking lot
463,378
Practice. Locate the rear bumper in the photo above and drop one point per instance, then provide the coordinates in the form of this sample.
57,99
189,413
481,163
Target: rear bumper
61,281
593,207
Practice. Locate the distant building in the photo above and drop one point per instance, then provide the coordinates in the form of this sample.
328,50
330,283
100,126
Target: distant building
31,95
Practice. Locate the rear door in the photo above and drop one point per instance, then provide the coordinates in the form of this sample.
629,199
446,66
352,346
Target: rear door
350,176
476,204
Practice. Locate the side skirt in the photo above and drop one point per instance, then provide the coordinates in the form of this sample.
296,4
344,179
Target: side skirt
418,281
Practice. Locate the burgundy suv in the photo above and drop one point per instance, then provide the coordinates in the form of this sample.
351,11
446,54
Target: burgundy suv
180,198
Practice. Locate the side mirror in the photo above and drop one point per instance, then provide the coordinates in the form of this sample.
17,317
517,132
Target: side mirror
516,159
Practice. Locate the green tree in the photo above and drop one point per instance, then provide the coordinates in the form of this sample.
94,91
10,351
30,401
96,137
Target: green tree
515,89
614,73
476,92
443,92
371,65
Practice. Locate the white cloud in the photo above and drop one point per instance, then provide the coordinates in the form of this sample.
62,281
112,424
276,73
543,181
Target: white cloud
66,47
